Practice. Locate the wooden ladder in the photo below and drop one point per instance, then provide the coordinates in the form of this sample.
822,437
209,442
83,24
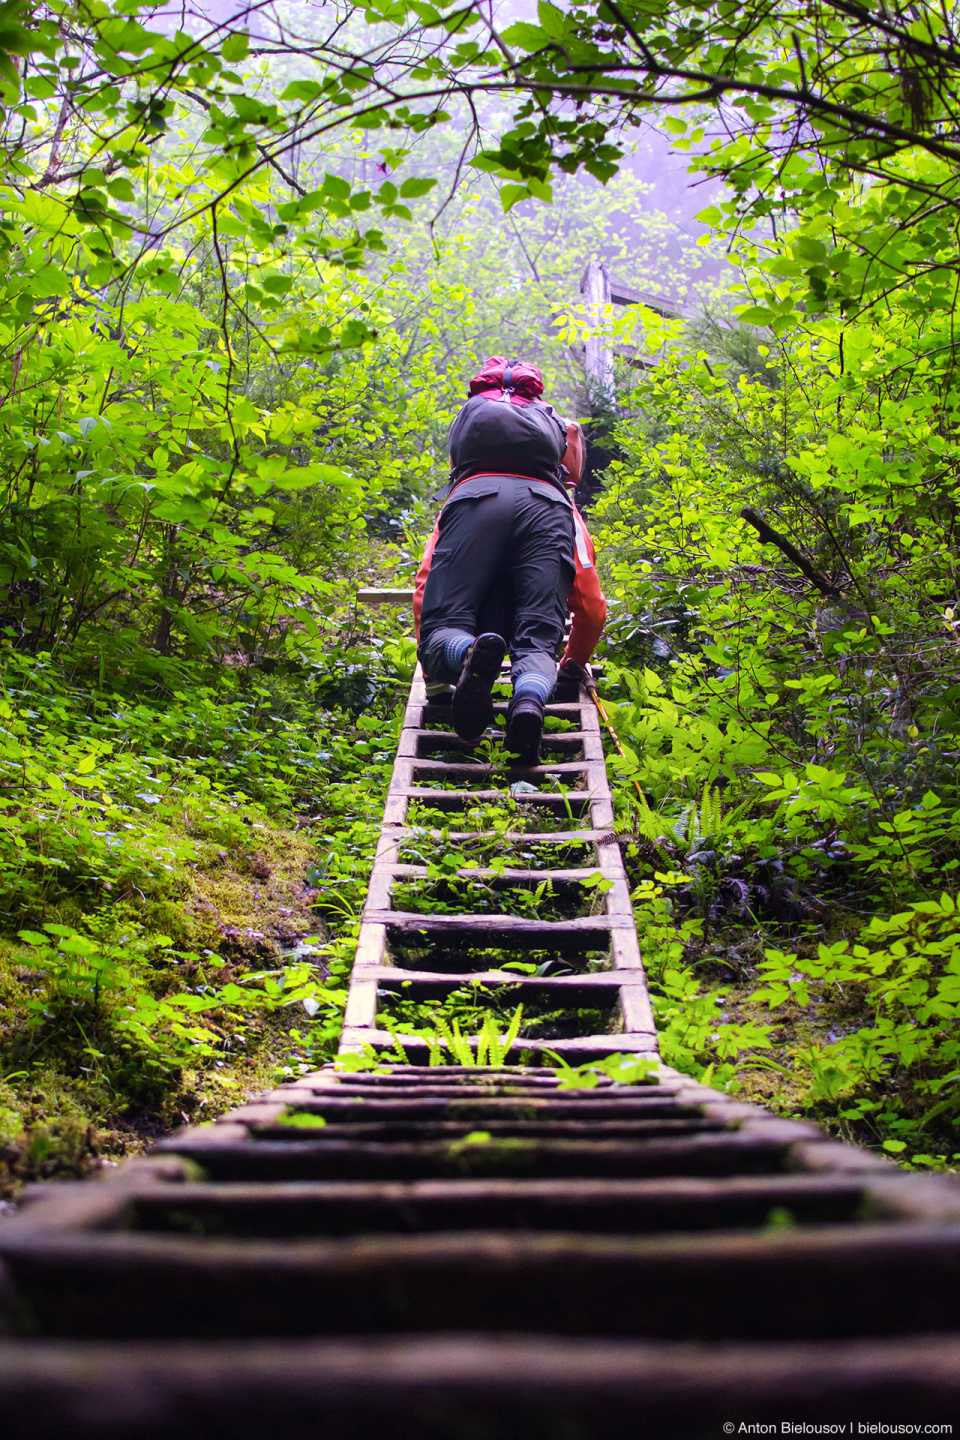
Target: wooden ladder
571,787
466,1253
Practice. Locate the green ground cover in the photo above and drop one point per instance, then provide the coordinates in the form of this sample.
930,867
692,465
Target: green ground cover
180,876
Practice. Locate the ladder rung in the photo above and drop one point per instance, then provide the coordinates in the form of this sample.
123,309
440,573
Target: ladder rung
504,877
586,929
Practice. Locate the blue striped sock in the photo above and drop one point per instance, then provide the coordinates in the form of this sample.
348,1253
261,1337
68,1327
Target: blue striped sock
454,652
531,682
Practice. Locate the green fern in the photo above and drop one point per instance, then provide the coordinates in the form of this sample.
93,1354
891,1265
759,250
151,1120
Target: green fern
458,1044
493,1046
449,1041
397,1045
711,812
650,823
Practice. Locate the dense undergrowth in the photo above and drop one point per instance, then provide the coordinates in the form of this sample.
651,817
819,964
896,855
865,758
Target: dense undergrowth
180,877
795,731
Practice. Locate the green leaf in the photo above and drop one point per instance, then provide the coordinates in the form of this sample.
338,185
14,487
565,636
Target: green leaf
121,188
523,36
812,250
235,46
416,186
553,21
336,187
79,945
511,195
302,90
755,315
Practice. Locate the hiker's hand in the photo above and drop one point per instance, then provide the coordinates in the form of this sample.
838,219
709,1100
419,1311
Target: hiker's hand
575,674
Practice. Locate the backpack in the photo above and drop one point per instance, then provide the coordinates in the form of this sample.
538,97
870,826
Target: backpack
504,431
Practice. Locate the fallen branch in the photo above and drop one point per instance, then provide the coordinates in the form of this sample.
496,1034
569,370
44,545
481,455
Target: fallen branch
768,536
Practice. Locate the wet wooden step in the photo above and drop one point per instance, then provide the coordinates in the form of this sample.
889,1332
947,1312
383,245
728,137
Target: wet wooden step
598,1207
429,741
444,1081
436,1092
455,1106
837,1282
576,991
396,1074
413,1131
530,1076
225,1157
449,1388
517,838
498,878
585,932
468,1079
453,800
482,770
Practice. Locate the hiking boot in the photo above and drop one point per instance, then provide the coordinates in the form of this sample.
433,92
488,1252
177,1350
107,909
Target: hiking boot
472,706
525,728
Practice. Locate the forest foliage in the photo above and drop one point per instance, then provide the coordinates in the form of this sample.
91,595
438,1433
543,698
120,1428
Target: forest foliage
247,265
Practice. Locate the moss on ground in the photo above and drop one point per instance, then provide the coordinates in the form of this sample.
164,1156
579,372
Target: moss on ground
234,909
159,867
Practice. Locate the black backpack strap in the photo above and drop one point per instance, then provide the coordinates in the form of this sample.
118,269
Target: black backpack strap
507,377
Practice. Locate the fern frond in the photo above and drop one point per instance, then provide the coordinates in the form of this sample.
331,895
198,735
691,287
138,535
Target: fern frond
483,1042
710,812
436,1050
514,1029
500,1046
680,826
398,1045
461,1046
443,1029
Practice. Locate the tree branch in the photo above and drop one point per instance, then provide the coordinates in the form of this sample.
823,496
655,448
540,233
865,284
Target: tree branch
769,536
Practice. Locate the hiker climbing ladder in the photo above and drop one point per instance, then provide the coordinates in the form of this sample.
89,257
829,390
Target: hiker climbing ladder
570,787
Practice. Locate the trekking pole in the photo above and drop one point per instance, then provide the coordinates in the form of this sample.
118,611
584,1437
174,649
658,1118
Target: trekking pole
591,686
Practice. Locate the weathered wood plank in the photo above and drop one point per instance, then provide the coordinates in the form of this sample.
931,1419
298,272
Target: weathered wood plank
361,1008
546,838
480,769
504,877
449,740
545,1109
509,1388
387,595
546,932
625,1207
578,800
418,1131
550,984
835,1282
